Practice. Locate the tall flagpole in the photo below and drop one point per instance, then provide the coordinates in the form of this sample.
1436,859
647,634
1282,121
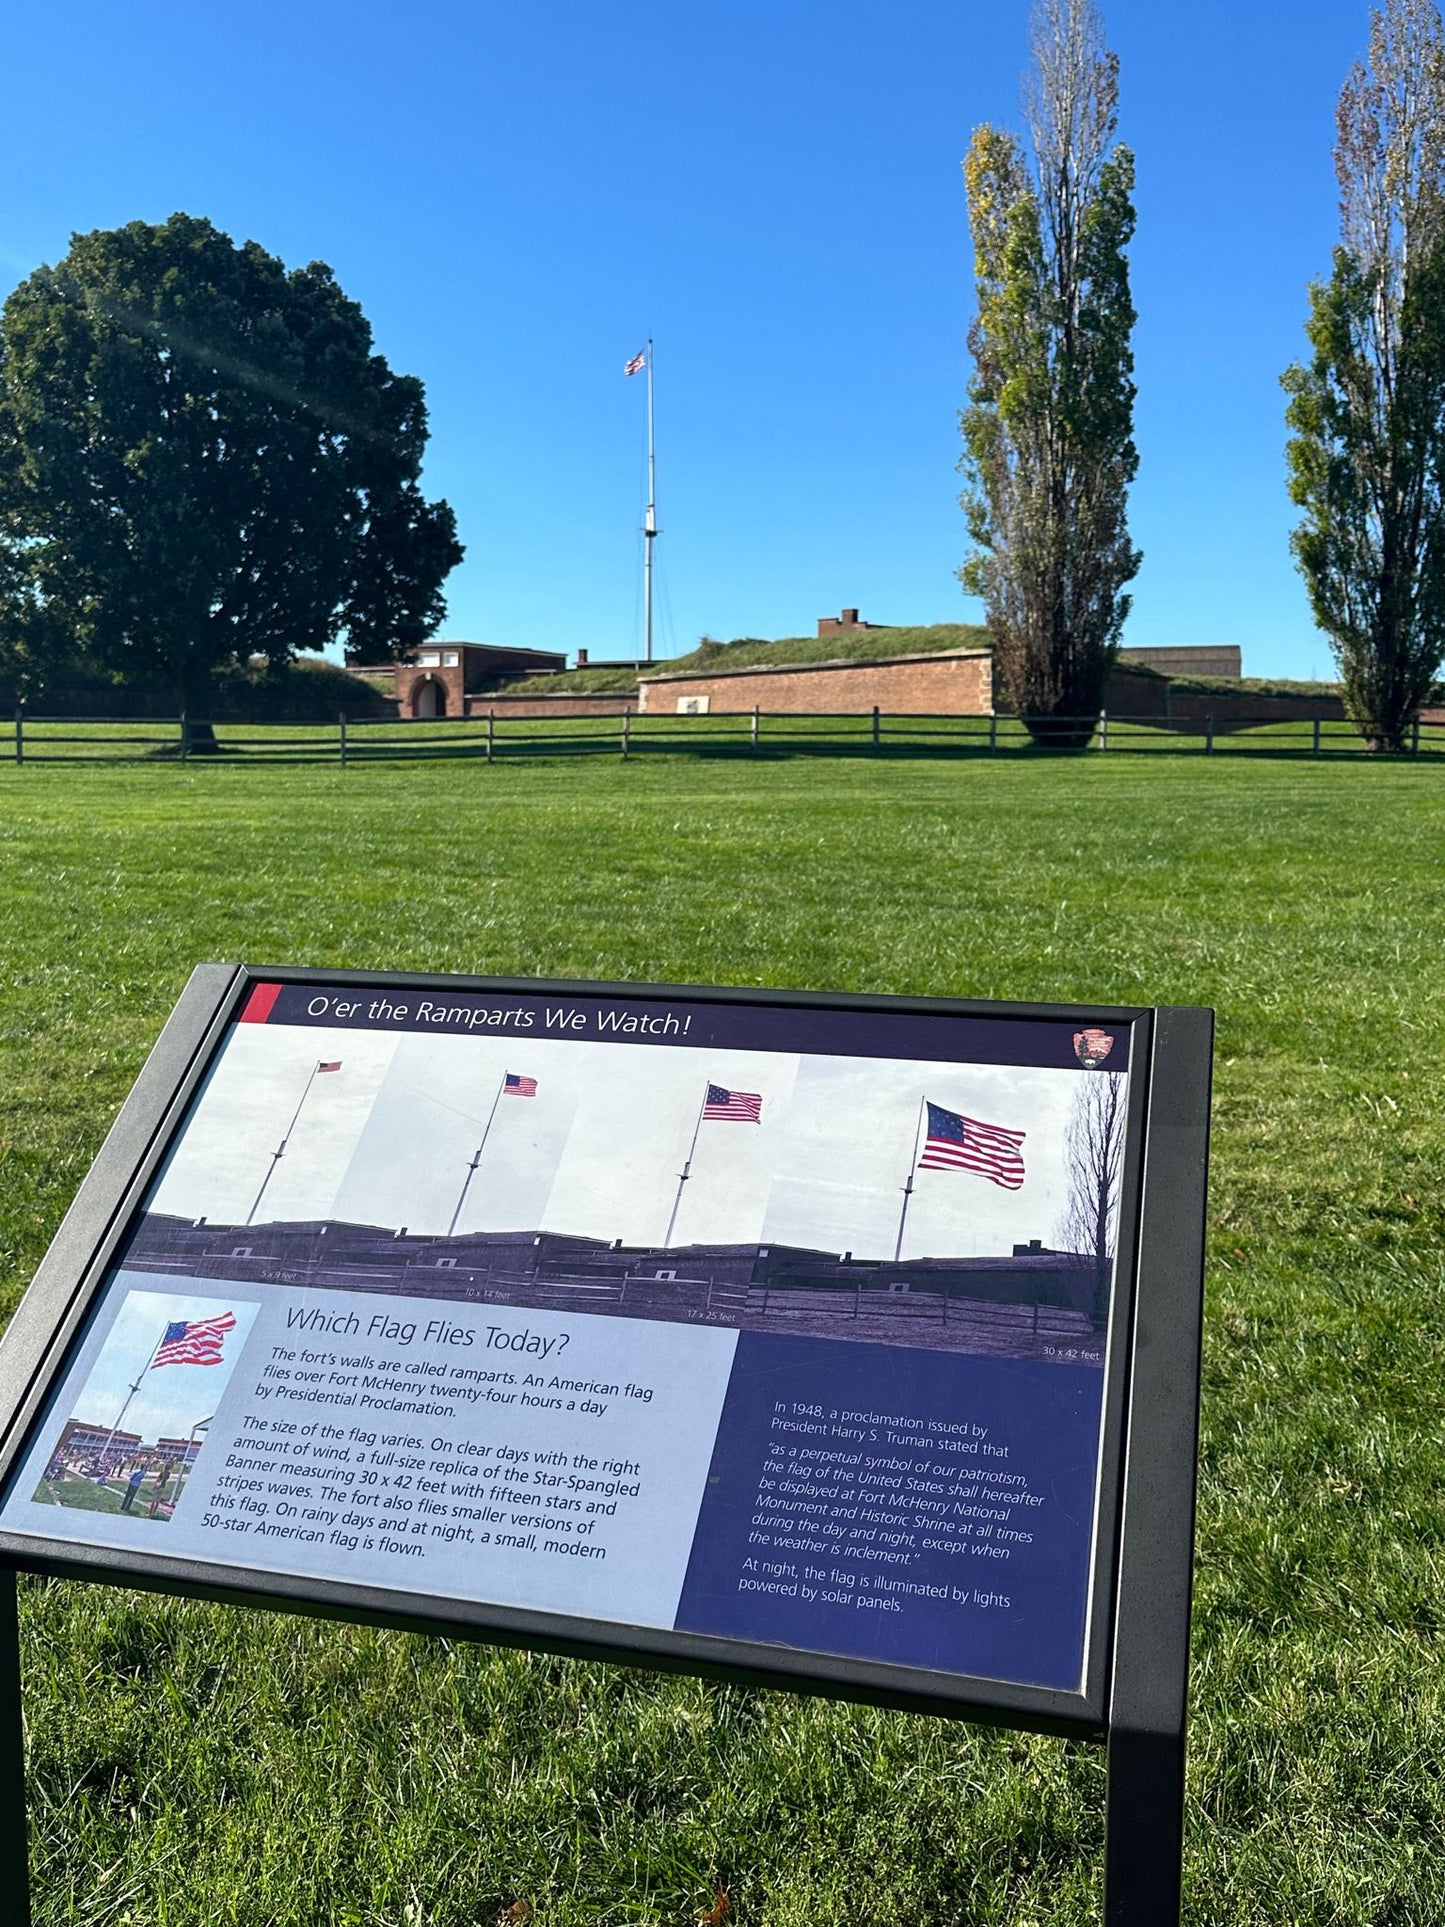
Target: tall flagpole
908,1187
280,1151
686,1171
130,1395
649,531
472,1167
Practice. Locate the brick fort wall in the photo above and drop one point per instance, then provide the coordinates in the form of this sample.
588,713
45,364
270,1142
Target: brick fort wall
951,683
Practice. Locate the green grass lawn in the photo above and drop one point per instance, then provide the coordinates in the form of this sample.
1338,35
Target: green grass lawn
192,1764
72,1490
85,1494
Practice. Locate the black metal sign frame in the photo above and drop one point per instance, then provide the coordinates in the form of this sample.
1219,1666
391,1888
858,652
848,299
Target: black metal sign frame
1133,1697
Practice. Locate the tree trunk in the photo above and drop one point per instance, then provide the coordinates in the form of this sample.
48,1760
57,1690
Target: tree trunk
1058,732
197,728
1101,1247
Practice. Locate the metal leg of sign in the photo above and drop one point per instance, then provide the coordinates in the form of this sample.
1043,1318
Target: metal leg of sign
14,1840
1144,1829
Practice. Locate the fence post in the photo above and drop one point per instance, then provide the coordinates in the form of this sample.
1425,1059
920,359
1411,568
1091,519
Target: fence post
1209,733
1316,749
876,720
185,736
341,720
993,729
626,729
491,721
20,732
1103,729
1415,738
753,731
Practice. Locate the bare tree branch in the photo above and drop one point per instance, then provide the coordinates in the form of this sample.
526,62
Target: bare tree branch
1094,1160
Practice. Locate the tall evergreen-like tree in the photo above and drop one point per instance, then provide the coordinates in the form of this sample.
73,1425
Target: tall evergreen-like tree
1048,433
202,458
1367,457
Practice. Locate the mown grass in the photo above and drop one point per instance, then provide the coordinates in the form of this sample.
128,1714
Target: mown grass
191,1764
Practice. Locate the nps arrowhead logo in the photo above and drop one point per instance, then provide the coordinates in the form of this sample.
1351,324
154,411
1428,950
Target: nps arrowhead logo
1091,1047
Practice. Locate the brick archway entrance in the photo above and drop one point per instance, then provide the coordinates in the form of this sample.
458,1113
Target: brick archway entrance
428,699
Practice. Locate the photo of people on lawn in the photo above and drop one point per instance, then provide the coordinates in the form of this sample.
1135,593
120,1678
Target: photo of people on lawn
130,1443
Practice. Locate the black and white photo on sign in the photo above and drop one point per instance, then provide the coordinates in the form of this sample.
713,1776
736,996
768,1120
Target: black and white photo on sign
482,1134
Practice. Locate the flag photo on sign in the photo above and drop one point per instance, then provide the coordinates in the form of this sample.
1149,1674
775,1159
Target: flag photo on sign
131,1440
197,1342
514,1086
958,1143
739,1107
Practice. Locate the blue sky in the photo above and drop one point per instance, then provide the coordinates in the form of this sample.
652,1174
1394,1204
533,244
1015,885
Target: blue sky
519,195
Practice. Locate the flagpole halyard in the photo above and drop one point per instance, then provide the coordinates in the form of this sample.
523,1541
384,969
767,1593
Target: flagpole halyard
472,1167
908,1186
686,1171
140,1380
280,1151
649,532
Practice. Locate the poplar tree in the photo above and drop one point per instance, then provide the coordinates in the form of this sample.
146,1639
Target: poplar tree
1048,433
1367,457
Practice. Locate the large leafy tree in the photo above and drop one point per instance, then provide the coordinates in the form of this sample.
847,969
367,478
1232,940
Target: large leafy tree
202,458
1367,457
1048,435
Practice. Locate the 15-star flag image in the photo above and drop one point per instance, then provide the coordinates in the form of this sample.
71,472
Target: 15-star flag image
958,1143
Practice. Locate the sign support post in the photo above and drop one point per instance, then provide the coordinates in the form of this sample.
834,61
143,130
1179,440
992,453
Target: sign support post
1144,1819
14,1834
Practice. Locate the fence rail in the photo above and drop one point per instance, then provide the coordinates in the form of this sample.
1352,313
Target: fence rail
491,737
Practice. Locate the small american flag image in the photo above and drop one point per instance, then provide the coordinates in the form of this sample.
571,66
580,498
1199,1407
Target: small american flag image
958,1143
637,363
737,1107
514,1086
328,1067
195,1343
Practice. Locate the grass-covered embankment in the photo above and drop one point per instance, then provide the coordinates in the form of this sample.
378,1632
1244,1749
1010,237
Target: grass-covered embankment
788,652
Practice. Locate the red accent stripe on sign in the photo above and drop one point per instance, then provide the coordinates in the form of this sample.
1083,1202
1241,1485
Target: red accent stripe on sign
260,1003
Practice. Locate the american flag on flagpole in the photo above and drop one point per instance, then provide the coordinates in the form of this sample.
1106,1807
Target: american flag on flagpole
637,363
195,1343
336,1066
958,1143
737,1107
514,1086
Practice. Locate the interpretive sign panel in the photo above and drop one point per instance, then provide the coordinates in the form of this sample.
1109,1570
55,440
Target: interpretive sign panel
775,1335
